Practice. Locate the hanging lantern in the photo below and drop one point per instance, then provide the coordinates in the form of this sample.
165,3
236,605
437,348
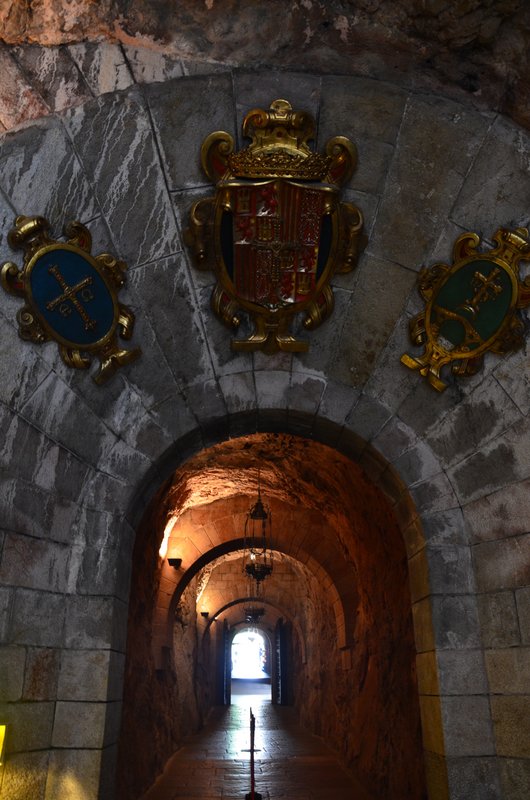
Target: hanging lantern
253,614
257,559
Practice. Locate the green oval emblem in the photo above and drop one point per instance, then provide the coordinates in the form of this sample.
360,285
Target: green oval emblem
470,306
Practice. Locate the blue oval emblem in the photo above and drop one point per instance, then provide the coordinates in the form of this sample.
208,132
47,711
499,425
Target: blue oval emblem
71,296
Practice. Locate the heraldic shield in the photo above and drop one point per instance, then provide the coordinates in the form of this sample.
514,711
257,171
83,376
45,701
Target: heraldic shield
71,297
472,306
275,230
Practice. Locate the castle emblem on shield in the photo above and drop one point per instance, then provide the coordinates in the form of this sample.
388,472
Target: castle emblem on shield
70,296
275,233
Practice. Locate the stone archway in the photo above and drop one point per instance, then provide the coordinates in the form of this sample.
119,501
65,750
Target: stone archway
354,557
256,662
81,464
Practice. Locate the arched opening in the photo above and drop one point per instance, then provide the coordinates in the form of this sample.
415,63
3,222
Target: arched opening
337,607
250,656
251,663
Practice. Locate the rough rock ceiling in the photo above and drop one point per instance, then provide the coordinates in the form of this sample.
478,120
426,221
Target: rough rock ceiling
477,49
324,509
293,471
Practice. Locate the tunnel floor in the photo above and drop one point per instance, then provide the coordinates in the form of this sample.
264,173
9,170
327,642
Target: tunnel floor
291,763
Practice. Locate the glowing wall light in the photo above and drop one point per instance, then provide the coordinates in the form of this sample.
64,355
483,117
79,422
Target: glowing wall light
165,541
3,729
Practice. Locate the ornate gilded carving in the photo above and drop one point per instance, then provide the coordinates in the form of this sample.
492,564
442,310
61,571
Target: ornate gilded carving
70,296
471,307
275,232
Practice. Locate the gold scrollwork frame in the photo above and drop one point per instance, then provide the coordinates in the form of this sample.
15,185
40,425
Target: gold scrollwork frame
511,248
278,152
31,234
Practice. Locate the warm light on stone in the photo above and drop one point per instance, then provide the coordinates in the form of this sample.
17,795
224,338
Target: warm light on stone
3,729
339,564
162,552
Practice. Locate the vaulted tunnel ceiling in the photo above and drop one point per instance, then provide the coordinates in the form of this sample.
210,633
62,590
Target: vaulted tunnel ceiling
328,519
225,592
295,472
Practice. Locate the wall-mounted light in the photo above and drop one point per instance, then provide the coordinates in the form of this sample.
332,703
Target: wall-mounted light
165,539
3,729
174,562
205,614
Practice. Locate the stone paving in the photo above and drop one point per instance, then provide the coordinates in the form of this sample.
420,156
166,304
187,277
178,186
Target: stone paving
289,763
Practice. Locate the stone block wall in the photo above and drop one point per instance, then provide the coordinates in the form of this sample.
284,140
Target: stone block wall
79,462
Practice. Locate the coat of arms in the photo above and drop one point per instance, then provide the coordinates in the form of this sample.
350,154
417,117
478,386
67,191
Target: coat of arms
472,306
279,231
70,296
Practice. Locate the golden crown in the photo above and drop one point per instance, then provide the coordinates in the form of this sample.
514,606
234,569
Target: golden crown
278,149
251,164
279,145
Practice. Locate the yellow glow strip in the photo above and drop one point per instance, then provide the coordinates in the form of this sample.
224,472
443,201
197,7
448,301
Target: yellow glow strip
165,541
3,729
